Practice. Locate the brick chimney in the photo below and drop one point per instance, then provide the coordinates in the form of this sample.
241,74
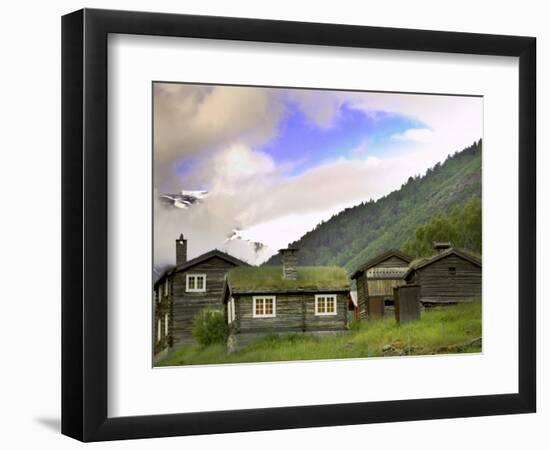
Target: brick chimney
290,262
181,250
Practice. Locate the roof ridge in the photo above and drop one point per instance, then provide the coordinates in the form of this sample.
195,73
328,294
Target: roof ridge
381,257
423,262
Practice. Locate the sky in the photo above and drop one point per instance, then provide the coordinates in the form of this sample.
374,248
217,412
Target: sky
276,162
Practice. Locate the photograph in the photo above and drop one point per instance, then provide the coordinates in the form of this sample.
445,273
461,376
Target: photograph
295,224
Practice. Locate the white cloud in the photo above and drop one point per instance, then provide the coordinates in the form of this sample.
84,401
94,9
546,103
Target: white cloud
250,192
452,122
414,135
192,120
319,109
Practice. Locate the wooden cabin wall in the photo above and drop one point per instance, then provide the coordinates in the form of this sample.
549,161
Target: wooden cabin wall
362,295
288,310
367,287
438,285
392,261
186,305
294,313
383,287
327,323
162,307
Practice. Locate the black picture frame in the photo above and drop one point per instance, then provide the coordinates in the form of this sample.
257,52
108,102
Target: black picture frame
84,224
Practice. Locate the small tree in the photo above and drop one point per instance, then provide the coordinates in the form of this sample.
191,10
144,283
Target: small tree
462,227
209,326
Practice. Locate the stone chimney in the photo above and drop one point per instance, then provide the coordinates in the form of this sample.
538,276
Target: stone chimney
290,262
440,246
181,250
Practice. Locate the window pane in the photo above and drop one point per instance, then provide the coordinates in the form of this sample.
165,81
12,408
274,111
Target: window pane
191,282
200,282
268,306
259,306
330,305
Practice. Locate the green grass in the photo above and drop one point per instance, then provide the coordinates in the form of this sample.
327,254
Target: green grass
452,329
271,277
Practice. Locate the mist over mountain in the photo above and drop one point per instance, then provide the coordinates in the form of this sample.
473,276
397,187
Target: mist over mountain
356,234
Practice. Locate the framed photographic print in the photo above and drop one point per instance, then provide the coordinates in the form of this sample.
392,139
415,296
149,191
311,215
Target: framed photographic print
273,224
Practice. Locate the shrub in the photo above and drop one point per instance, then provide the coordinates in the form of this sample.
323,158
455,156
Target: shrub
209,327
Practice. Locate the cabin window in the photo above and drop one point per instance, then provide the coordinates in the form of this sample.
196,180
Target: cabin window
166,324
263,307
325,305
159,331
166,287
452,270
196,283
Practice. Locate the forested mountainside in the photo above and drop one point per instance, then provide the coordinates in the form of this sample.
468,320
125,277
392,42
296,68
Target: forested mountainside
356,234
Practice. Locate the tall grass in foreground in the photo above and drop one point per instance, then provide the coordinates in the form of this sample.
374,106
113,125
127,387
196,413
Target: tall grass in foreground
452,329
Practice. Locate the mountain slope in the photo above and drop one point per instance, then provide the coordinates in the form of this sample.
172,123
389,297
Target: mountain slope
359,233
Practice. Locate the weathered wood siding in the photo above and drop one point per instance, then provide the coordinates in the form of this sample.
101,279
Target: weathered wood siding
439,285
383,287
362,295
377,289
327,323
162,307
392,261
375,307
186,305
407,303
294,313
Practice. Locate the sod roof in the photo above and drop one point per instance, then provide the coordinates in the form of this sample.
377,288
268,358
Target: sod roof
270,279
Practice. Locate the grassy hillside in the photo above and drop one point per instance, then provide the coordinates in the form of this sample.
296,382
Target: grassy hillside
454,329
359,233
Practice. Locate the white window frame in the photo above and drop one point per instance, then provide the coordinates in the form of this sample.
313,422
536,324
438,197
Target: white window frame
159,332
165,324
231,310
195,275
166,287
327,296
262,297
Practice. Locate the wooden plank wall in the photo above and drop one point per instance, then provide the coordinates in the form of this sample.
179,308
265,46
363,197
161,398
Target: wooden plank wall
362,295
438,285
383,287
393,261
294,313
407,303
367,288
186,305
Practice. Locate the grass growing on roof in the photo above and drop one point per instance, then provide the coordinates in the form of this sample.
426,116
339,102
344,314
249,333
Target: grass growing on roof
271,277
448,330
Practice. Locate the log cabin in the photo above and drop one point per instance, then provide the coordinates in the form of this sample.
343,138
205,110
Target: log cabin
448,277
376,279
184,290
284,299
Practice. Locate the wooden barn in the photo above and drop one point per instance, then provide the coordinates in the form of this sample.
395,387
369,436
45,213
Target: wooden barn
183,291
288,299
451,276
376,279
